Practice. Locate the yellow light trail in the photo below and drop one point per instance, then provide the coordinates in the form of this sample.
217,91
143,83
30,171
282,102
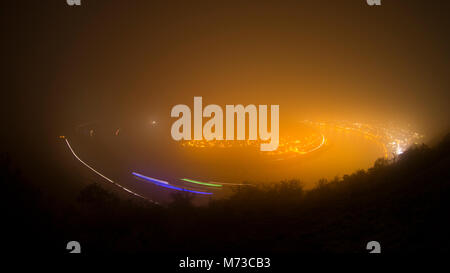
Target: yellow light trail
200,183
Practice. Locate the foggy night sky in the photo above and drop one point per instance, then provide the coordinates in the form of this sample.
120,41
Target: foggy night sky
133,60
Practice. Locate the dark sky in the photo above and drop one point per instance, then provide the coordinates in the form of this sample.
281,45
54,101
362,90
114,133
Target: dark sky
133,60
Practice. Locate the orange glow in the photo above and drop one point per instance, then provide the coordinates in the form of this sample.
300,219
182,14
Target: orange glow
391,140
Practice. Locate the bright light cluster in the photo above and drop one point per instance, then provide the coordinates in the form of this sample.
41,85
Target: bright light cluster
392,139
288,145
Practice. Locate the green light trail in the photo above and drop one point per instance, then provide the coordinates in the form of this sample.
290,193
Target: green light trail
201,183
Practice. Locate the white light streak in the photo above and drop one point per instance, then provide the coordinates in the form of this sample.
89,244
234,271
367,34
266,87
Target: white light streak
103,176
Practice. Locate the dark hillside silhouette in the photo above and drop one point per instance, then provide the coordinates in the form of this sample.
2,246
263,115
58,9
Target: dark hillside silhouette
403,204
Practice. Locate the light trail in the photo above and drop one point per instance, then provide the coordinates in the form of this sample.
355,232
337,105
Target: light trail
231,184
101,175
318,147
296,152
155,181
200,183
150,178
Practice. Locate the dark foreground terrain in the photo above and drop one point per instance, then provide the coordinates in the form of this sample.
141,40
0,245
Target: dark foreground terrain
403,204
